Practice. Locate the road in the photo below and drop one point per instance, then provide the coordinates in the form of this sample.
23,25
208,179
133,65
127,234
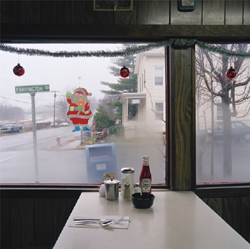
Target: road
210,165
66,164
60,164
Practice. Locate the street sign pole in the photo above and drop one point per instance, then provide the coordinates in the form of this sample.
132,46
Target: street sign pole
32,90
34,136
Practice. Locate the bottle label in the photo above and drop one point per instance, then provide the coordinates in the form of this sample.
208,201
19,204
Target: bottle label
145,185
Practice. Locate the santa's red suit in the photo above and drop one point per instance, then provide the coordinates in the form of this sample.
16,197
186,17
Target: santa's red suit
79,113
76,116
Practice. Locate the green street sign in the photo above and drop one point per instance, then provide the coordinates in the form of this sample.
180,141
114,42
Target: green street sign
32,89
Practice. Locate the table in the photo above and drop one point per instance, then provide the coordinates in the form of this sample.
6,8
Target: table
177,220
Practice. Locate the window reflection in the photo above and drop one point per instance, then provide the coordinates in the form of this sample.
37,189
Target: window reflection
222,115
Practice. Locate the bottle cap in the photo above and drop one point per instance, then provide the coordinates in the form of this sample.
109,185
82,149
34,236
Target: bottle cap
145,159
126,185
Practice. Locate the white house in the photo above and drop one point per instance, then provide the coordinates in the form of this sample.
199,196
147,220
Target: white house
150,96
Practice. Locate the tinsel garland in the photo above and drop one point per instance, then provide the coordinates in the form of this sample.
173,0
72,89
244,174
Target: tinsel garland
128,51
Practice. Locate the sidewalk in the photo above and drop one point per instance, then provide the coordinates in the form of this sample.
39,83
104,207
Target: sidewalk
68,145
76,143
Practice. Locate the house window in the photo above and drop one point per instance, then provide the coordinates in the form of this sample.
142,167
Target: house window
159,111
158,76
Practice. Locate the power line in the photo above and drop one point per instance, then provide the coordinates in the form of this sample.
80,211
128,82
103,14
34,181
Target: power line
14,100
22,101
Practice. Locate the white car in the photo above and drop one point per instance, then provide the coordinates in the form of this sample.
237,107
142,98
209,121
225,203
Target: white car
52,125
64,124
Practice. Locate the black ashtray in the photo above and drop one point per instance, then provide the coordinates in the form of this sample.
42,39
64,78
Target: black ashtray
142,201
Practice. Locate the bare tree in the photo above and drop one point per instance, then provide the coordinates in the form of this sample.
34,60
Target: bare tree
230,94
107,103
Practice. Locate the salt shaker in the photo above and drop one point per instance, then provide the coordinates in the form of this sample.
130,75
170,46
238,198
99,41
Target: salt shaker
137,188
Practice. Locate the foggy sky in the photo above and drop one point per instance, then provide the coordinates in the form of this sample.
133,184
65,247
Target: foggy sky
62,74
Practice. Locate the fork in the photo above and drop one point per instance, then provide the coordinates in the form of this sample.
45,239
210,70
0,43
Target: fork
107,223
82,221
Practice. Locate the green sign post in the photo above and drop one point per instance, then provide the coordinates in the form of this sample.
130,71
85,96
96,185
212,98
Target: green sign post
32,89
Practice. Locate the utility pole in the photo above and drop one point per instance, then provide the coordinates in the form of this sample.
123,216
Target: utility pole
54,107
79,78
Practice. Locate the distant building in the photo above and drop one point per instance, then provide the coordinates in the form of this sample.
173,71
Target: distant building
150,96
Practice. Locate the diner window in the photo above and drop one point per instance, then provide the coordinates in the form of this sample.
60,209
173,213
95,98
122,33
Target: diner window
56,148
222,114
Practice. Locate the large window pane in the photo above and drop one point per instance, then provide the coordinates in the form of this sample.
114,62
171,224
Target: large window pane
123,114
222,115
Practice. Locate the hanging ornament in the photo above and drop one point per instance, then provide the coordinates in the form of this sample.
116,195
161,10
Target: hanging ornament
18,70
124,72
231,73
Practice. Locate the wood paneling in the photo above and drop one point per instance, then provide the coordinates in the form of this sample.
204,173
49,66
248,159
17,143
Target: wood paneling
125,17
30,12
10,12
231,212
43,221
245,218
182,118
186,18
135,33
5,224
234,12
22,222
234,210
148,12
246,11
213,12
27,222
215,204
153,12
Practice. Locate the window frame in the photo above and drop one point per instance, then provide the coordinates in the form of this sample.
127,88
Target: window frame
156,112
82,186
163,76
39,33
234,187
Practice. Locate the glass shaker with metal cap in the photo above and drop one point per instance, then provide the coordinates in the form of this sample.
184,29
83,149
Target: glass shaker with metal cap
127,177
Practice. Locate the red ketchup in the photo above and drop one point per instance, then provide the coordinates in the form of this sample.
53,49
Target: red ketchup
145,177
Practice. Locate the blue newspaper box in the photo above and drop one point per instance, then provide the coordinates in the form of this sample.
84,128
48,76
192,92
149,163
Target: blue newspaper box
100,158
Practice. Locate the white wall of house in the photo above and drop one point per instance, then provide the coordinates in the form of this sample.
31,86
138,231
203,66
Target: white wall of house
150,70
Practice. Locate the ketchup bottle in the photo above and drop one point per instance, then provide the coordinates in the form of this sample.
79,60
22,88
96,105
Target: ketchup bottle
145,177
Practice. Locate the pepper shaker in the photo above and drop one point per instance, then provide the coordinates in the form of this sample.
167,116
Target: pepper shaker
126,191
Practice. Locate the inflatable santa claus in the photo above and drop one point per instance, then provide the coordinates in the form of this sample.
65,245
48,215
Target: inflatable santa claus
79,109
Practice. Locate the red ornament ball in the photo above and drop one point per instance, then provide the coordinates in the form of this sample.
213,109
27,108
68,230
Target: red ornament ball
18,70
124,72
231,73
